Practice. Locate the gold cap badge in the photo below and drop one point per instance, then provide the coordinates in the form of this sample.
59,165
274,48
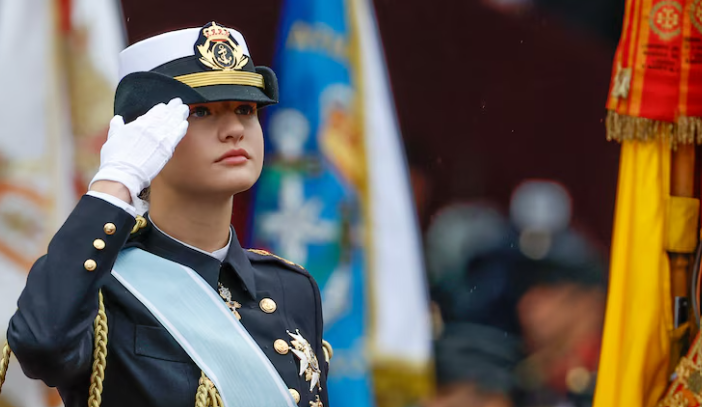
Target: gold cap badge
218,50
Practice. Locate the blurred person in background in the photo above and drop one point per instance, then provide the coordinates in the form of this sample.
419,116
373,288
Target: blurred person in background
521,301
477,347
561,309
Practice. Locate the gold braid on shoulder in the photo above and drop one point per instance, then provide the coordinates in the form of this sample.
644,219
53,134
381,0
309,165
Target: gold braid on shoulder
267,253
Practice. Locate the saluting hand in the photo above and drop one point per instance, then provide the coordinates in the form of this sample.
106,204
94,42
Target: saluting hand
135,153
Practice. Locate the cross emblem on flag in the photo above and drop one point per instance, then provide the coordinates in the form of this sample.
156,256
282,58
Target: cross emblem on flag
298,223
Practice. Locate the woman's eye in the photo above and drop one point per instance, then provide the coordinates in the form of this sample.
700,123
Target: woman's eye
245,110
200,111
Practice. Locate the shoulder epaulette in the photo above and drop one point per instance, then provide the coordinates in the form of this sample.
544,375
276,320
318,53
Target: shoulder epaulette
265,255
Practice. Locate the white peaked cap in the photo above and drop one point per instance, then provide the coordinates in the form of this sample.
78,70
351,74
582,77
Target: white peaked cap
153,52
182,64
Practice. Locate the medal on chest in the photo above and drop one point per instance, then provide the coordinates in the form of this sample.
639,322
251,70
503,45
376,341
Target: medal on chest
309,366
227,297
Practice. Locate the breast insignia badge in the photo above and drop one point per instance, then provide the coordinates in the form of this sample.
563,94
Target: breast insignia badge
308,361
231,304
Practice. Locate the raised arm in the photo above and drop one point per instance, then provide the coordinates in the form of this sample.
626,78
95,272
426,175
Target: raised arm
51,333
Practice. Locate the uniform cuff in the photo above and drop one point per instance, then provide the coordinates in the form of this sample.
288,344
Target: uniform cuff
130,209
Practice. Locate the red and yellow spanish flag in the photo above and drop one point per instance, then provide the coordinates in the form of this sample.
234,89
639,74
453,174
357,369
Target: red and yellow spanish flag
655,105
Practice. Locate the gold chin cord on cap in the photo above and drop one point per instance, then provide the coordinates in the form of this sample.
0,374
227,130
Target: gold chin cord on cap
207,394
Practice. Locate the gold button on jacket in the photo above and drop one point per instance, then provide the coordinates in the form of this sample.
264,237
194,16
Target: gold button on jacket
268,305
90,265
295,394
110,228
281,347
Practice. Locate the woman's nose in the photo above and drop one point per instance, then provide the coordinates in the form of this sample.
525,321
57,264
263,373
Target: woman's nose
231,127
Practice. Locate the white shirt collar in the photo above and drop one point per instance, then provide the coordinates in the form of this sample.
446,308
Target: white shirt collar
220,254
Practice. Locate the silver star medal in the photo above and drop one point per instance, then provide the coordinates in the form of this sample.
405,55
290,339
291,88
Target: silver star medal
227,297
308,361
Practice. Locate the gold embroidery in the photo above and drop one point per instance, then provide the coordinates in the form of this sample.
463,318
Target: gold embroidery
200,79
316,403
685,389
220,51
667,19
265,253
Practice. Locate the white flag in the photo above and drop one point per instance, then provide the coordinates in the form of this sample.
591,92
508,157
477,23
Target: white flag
51,128
400,336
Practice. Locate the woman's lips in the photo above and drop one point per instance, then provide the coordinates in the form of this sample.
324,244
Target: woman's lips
234,157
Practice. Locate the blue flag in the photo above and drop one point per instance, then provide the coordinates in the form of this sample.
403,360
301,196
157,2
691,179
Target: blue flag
334,197
307,209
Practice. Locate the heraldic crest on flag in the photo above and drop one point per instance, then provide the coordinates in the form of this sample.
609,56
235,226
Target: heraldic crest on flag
686,390
656,86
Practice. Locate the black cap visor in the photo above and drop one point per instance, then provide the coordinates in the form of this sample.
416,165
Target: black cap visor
138,92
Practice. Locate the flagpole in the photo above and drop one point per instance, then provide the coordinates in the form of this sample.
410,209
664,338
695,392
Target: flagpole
682,184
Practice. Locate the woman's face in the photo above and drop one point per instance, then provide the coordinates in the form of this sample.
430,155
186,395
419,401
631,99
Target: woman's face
222,152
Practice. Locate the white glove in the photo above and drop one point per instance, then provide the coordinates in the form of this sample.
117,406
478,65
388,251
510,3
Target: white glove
135,153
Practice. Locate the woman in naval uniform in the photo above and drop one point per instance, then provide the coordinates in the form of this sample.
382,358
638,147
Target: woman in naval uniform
167,309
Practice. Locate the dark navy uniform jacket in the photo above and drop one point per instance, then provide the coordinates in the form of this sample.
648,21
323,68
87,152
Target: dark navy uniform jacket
52,331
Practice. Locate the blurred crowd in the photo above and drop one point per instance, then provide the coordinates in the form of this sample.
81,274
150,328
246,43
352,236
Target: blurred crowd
519,290
518,301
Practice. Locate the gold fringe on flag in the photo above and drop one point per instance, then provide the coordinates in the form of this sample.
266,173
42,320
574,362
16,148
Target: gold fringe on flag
620,128
399,383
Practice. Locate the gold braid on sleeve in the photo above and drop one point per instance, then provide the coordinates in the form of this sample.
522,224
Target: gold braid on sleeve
207,394
4,362
99,356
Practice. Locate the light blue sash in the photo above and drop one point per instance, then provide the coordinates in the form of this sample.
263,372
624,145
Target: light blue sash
204,327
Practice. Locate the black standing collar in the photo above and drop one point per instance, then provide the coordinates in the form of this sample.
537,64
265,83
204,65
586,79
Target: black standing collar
239,262
153,240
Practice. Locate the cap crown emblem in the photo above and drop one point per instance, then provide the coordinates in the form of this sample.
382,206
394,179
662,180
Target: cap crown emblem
218,50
